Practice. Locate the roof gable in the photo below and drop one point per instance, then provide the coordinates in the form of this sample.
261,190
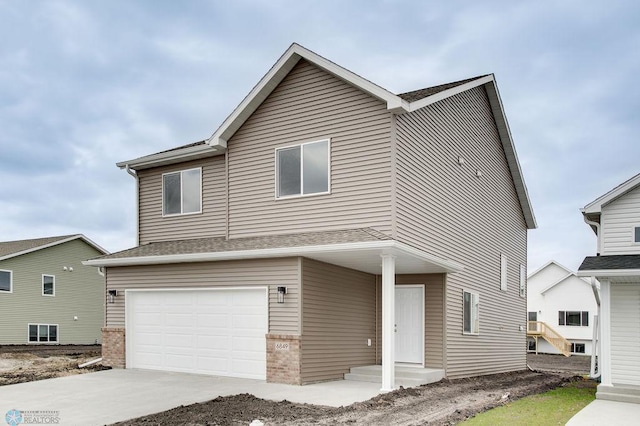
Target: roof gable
619,191
9,249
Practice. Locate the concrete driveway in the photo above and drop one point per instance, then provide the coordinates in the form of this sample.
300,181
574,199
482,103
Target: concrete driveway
115,395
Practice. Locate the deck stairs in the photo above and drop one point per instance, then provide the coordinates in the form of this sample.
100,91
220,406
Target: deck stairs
537,329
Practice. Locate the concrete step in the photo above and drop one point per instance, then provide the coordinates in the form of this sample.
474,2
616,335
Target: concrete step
405,376
619,393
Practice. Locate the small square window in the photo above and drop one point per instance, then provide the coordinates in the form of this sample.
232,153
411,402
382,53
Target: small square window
577,348
531,345
48,285
302,169
182,192
6,281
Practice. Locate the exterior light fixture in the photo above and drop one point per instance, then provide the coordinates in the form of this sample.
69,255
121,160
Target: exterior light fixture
112,295
281,292
460,160
478,173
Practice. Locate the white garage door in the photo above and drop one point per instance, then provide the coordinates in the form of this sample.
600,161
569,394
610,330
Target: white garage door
218,332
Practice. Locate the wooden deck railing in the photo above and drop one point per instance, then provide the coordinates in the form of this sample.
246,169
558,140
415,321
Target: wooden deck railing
542,329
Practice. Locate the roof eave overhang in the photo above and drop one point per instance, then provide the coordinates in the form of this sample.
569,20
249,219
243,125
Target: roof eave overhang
404,254
279,71
609,273
174,156
595,207
55,243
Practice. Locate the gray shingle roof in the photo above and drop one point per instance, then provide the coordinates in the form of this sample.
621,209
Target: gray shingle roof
219,244
12,247
594,263
416,95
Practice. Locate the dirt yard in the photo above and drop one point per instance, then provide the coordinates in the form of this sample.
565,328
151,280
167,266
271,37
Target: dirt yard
444,403
22,363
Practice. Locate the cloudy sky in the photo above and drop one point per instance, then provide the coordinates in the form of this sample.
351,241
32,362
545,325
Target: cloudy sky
84,84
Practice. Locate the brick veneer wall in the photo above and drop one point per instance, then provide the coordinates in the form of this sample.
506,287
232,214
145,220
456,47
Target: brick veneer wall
283,359
113,347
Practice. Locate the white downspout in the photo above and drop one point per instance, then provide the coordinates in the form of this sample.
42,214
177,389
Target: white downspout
595,349
135,176
597,226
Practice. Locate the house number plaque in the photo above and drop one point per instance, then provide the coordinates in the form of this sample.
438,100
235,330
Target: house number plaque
282,346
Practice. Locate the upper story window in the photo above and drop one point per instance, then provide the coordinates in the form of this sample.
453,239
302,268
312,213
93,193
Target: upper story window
48,285
6,281
573,318
182,192
470,313
302,169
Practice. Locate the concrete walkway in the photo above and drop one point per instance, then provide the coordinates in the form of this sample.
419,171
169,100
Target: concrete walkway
115,395
604,413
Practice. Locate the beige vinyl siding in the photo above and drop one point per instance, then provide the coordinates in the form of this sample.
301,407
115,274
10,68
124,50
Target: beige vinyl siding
446,210
311,105
625,340
79,293
338,315
434,289
618,220
283,317
210,223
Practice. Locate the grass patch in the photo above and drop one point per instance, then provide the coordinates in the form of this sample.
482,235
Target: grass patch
555,407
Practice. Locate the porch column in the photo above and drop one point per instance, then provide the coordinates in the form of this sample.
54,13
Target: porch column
388,322
604,363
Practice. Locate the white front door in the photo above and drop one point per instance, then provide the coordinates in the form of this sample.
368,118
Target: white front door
410,324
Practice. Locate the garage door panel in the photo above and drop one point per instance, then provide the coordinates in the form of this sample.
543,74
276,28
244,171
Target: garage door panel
219,332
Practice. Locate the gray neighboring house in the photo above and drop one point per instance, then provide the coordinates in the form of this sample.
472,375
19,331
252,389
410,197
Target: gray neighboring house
615,219
47,296
329,229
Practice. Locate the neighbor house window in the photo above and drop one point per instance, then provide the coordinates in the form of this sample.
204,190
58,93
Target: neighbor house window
636,234
43,333
182,192
6,281
523,281
470,315
503,272
302,169
48,285
573,318
577,348
531,345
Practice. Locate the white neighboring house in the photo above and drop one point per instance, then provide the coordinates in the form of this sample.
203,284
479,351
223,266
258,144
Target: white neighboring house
564,302
615,218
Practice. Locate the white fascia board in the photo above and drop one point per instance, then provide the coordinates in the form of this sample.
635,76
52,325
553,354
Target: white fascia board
174,156
55,243
596,205
278,72
421,103
556,283
391,246
510,152
609,273
569,271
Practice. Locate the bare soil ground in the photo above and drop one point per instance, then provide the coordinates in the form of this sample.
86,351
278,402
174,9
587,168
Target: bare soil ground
22,363
444,403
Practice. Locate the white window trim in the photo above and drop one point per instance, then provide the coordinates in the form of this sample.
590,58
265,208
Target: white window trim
275,155
633,234
10,281
54,285
477,297
523,281
38,336
503,272
181,192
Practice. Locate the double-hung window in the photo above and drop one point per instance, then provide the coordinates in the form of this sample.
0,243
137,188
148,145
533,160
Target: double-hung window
182,192
43,333
471,313
573,318
302,169
6,281
48,285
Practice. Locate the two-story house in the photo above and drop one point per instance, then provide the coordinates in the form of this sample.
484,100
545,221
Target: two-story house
329,224
561,310
46,295
615,218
